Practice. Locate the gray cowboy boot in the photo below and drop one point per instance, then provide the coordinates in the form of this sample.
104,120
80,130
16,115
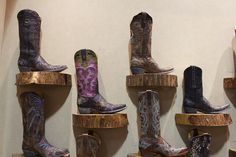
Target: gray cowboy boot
87,145
150,142
34,141
29,33
193,93
140,42
89,100
199,144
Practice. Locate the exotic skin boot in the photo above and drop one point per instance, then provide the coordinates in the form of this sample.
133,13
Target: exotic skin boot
29,33
151,143
140,45
87,145
34,141
193,93
89,99
199,144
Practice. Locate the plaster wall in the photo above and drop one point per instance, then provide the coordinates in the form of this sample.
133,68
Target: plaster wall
196,32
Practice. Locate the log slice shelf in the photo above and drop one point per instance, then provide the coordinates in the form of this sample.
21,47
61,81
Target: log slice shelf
93,121
203,119
21,155
232,152
43,78
151,80
230,83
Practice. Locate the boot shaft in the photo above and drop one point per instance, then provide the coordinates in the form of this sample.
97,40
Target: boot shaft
33,117
86,72
140,40
149,110
29,32
193,83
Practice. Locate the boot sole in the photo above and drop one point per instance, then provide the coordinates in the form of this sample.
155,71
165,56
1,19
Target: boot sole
83,110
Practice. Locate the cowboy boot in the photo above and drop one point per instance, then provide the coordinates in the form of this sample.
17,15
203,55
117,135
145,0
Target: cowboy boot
29,33
199,144
151,143
34,141
89,99
193,93
140,44
87,145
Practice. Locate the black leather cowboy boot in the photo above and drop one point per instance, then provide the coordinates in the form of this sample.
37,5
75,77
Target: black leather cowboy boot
140,44
29,33
193,93
151,143
34,141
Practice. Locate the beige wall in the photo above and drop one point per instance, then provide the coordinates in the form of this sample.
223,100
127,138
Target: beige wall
196,32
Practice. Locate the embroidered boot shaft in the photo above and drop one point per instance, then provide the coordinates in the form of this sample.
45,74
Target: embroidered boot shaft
193,93
89,99
140,44
150,142
29,33
34,141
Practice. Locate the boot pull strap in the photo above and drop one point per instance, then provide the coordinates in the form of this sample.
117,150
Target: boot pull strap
83,54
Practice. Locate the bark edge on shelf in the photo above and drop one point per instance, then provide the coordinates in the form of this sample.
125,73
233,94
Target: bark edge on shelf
43,78
151,80
90,121
203,119
230,83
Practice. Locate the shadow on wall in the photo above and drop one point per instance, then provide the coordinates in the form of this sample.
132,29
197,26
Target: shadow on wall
111,140
10,7
167,99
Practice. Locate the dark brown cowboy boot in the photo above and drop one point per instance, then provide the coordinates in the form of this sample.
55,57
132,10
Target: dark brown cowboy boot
151,143
140,42
199,143
89,99
87,145
34,141
29,33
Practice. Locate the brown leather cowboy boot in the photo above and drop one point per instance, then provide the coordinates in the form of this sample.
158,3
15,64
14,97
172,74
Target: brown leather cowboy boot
150,142
34,141
140,42
29,33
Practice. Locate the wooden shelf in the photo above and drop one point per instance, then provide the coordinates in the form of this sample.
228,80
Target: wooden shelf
138,155
118,120
43,78
232,152
203,119
21,155
151,80
230,83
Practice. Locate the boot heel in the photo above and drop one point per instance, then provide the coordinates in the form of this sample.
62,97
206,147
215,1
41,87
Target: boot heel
137,70
190,110
24,68
30,153
83,110
146,153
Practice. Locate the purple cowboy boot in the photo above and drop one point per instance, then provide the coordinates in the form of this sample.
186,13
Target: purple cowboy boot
89,100
34,141
29,33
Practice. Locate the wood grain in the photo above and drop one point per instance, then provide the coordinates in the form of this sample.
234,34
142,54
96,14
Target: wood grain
203,119
229,83
100,120
43,78
151,80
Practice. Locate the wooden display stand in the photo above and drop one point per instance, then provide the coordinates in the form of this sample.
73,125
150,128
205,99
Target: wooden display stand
151,80
203,119
232,152
43,78
229,83
21,155
93,121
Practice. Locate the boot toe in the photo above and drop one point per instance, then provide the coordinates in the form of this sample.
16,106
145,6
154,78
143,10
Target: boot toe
58,68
